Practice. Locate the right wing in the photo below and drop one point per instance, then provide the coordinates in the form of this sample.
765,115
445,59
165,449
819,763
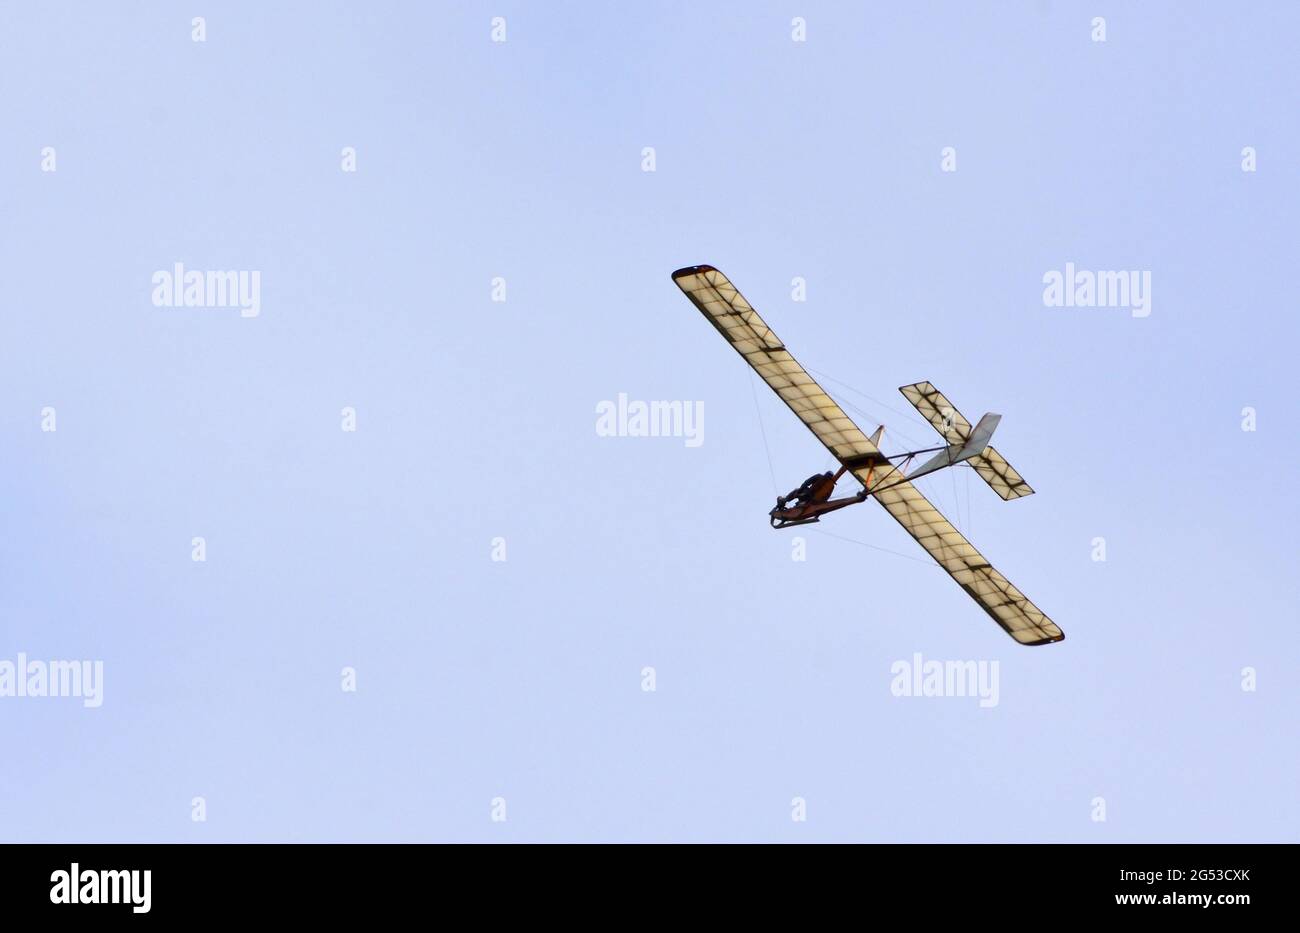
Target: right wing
1009,607
953,426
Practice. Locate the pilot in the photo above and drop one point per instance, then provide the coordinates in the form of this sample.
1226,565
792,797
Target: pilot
804,494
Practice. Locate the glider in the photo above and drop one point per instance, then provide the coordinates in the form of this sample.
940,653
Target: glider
882,479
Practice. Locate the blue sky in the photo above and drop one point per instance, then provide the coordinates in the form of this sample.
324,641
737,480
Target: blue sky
522,679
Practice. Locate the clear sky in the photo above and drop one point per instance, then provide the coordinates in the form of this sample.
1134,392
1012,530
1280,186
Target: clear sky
522,679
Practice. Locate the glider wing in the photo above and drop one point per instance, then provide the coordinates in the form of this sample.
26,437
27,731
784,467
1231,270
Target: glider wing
728,311
1009,607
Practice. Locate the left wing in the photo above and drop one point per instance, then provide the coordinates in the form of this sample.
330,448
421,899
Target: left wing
728,311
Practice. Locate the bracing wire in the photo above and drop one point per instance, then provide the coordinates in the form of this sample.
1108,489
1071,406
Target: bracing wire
875,547
909,415
763,431
956,499
924,482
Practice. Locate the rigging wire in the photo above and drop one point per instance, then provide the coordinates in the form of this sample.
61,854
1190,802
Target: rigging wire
911,441
892,432
911,416
956,499
763,431
924,482
967,481
875,547
771,469
767,451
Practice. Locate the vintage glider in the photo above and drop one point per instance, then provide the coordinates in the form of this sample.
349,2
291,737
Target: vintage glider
882,479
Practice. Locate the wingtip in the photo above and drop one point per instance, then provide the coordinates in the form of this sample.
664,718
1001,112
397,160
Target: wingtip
692,270
1050,640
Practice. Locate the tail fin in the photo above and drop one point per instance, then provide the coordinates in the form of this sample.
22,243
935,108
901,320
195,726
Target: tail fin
979,438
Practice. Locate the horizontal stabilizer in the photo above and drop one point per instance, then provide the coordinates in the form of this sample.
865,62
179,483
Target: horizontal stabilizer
1000,475
991,466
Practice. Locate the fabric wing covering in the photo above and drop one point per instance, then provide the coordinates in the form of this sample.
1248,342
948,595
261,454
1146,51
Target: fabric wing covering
1009,608
728,311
